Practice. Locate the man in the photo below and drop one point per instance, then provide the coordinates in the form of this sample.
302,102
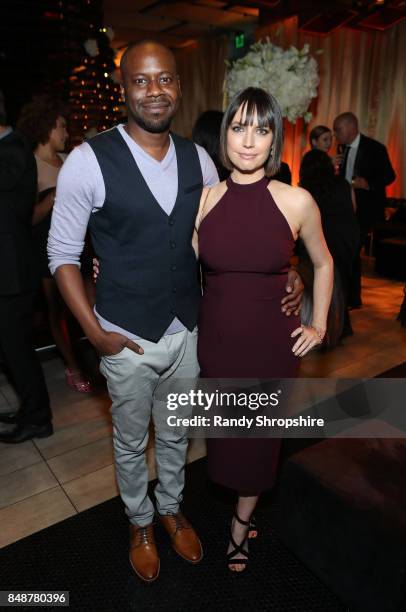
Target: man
18,284
138,188
366,166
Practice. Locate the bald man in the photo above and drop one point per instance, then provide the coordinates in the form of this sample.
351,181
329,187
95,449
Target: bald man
138,187
366,165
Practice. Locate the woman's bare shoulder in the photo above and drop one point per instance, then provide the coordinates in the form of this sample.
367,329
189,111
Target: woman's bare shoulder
291,194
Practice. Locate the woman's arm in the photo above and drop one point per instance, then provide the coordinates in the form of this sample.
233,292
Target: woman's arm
312,235
43,208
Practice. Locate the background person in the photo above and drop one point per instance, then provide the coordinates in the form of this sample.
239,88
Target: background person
43,121
18,285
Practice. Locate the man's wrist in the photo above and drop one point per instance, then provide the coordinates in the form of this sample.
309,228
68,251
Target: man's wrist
95,335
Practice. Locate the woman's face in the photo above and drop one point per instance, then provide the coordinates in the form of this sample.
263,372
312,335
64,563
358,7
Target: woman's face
59,135
324,142
248,146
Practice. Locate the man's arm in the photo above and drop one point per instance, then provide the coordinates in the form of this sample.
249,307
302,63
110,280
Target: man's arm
74,202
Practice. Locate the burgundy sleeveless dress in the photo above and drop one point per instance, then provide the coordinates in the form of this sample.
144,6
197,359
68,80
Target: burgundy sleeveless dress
245,245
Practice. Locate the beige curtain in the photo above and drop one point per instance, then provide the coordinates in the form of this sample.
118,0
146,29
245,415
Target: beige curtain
359,71
202,71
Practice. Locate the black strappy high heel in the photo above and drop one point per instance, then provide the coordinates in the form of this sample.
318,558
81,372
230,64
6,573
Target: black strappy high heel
239,548
253,529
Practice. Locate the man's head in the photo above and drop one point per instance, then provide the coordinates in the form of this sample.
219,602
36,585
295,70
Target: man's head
346,128
150,84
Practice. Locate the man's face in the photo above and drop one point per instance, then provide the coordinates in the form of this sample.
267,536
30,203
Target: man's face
151,87
344,131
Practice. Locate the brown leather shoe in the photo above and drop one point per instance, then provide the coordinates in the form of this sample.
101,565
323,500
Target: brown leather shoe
143,553
184,538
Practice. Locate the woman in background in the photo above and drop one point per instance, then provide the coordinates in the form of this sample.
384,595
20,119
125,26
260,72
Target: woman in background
321,138
335,199
43,121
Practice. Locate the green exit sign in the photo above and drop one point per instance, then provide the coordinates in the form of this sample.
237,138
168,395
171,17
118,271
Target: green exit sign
239,41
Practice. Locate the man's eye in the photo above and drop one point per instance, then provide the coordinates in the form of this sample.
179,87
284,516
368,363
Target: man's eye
140,81
166,80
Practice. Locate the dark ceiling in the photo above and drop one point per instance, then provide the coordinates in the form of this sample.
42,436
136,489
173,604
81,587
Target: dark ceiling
179,24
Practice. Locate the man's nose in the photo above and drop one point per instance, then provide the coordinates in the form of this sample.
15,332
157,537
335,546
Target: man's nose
154,88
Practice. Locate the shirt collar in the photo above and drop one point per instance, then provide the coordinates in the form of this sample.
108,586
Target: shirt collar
6,132
355,143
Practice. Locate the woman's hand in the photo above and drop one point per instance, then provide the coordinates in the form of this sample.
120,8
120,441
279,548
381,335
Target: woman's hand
309,337
96,268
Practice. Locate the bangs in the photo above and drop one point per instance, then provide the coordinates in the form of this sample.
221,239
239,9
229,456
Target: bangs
254,105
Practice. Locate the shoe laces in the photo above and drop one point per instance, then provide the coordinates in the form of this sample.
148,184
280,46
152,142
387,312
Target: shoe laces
180,521
144,535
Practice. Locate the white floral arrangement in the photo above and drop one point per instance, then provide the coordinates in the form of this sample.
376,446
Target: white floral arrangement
291,76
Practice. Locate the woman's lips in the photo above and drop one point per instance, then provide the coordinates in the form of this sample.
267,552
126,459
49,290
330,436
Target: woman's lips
247,156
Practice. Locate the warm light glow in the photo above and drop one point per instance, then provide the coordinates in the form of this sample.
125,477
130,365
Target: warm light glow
117,59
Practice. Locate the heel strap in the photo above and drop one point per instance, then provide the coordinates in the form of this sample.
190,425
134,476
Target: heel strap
237,518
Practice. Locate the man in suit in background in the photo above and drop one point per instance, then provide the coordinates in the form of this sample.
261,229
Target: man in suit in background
365,164
18,285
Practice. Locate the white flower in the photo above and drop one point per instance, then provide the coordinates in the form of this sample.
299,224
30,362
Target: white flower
289,75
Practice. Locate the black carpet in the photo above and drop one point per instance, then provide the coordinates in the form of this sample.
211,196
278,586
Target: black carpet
88,556
396,372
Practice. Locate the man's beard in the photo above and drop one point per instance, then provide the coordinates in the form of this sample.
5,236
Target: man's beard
150,124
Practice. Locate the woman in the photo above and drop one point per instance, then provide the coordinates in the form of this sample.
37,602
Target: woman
335,199
43,121
245,234
321,138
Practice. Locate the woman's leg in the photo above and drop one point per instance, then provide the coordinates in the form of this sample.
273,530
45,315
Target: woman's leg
244,509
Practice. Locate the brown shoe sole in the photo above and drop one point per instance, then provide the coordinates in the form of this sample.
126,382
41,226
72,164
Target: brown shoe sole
142,577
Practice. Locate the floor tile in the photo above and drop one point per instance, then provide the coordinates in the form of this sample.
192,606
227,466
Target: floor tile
81,461
74,436
85,409
33,514
16,456
92,489
25,482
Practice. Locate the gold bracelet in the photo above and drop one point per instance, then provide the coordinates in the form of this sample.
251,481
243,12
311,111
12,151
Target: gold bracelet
320,332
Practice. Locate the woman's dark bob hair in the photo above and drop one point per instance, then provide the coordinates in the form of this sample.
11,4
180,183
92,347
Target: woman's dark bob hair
269,115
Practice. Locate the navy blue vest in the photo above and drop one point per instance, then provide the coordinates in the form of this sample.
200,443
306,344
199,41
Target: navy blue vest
148,268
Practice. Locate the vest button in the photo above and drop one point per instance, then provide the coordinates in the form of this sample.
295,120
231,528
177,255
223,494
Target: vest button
174,290
173,268
171,222
173,245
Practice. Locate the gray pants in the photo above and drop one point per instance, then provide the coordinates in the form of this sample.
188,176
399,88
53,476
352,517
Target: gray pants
138,386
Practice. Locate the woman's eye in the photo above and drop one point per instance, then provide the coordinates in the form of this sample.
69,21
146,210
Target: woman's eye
262,131
237,128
